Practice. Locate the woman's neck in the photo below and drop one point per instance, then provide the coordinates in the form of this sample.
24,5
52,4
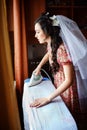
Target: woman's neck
48,40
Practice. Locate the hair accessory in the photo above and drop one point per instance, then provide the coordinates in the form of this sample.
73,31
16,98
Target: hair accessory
55,20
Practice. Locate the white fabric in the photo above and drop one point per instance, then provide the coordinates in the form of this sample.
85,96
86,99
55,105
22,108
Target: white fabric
76,46
53,116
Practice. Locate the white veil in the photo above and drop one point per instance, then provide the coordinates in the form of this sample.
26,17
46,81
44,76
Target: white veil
76,45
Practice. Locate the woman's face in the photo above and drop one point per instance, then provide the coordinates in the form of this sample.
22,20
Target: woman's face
39,34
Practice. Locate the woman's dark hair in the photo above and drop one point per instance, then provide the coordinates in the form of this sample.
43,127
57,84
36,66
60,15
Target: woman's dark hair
52,31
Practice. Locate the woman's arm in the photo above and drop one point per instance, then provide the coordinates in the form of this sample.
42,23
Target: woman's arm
69,74
42,62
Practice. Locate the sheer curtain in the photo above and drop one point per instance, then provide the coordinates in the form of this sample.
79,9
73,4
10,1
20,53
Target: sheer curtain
9,116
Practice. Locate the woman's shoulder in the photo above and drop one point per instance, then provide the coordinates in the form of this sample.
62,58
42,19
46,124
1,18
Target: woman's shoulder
61,48
62,54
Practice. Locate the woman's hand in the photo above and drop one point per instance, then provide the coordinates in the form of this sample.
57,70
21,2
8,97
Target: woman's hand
40,102
37,71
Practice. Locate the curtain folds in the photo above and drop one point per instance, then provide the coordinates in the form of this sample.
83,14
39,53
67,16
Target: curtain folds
9,116
20,45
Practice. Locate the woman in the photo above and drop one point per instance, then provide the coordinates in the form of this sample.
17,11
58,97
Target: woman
49,30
